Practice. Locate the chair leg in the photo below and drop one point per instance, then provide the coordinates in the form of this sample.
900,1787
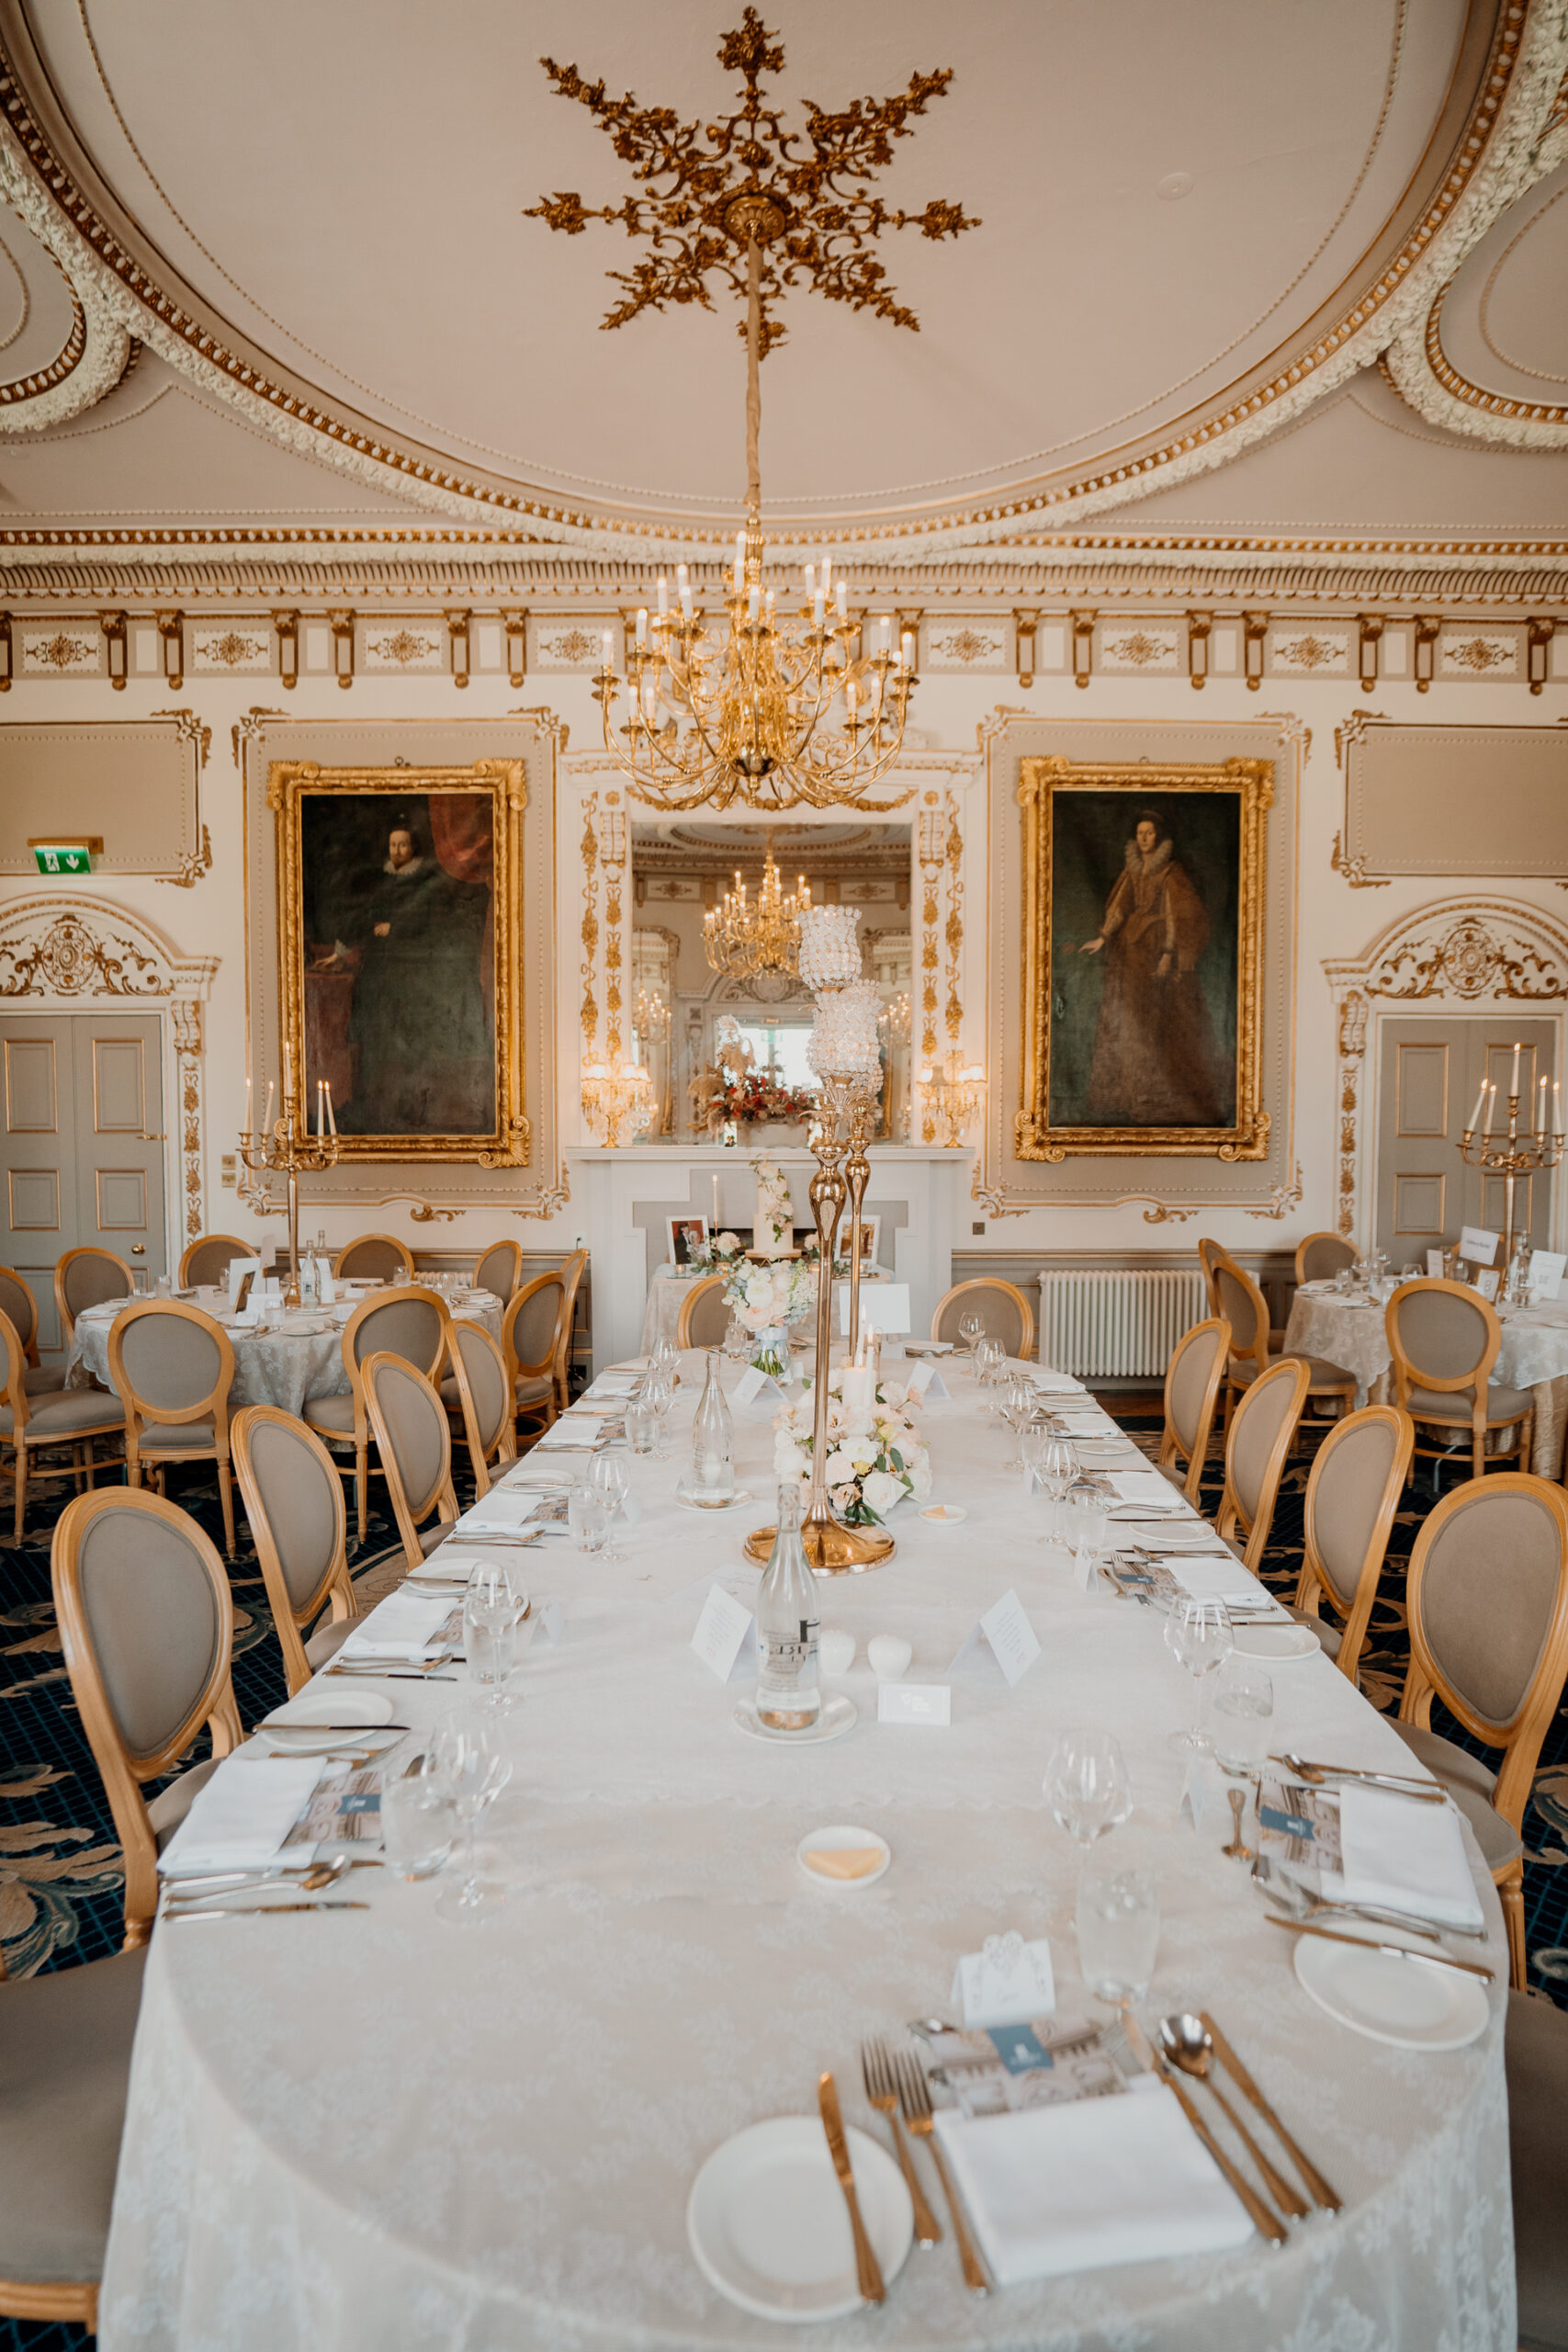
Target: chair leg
19,1476
226,1494
1512,1889
361,1486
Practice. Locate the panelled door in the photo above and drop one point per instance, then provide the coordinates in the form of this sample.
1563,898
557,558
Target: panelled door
1431,1068
84,1148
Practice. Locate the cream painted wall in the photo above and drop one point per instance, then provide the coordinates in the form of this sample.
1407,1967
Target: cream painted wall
1335,921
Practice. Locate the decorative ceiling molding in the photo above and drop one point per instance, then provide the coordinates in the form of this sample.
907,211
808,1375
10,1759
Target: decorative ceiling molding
122,293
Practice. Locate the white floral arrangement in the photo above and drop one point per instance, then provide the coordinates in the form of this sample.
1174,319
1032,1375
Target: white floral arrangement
716,1253
874,1458
774,1233
768,1294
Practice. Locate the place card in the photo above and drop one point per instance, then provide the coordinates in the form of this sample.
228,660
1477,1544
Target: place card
1546,1276
1487,1279
884,1306
929,1704
1008,1981
1478,1245
722,1631
926,1380
754,1385
1203,1795
1004,1636
1435,1265
548,1624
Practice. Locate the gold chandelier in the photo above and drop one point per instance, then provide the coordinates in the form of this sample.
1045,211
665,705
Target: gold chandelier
744,938
775,709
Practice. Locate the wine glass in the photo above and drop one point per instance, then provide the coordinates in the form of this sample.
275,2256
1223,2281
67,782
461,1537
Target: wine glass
1087,1786
1198,1632
1018,1402
665,1359
493,1610
1058,1468
989,1359
607,1479
971,1329
737,1341
463,1758
1032,1443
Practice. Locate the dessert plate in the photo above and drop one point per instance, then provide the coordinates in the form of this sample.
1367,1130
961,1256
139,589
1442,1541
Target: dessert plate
838,1714
1399,2001
767,2224
844,1855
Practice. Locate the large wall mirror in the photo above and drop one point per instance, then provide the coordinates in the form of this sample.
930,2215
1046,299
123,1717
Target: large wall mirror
721,1026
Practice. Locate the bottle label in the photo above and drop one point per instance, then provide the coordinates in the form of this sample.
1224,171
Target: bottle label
785,1656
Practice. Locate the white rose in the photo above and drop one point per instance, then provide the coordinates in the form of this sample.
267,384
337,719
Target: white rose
840,1469
882,1489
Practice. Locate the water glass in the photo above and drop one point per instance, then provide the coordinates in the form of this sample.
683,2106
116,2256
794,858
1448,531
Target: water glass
1244,1704
463,1759
1086,1523
607,1479
1198,1632
419,1824
490,1619
1118,1922
587,1518
1086,1784
642,1427
737,1341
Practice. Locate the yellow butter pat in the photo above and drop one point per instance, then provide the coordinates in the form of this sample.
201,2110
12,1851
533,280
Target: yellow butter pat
844,1862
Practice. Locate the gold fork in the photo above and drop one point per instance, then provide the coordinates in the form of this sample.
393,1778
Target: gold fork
916,2102
876,2073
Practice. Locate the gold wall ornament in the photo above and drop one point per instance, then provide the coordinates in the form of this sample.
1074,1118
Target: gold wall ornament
1045,782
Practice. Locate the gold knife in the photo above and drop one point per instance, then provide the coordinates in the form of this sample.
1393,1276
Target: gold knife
1262,2217
1316,2185
1369,1943
257,1910
867,2268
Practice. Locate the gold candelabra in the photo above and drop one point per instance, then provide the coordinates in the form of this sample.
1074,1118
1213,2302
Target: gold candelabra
742,938
281,1149
1512,1156
616,1096
954,1091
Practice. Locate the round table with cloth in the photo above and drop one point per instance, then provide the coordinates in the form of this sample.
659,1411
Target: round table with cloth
373,2129
1352,1331
303,1357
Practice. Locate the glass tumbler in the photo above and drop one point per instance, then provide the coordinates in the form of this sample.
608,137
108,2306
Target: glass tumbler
419,1823
642,1428
1239,1719
1118,1923
587,1518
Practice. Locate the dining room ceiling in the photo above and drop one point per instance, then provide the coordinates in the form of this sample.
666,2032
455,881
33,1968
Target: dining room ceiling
1240,266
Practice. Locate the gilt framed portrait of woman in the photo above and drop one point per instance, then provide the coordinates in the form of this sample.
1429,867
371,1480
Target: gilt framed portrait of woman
1143,939
399,894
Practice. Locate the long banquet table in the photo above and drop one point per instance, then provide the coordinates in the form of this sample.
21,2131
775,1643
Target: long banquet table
374,2130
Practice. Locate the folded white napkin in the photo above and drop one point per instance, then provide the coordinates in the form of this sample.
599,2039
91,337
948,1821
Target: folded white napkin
1096,2181
1058,1383
1142,1487
243,1815
1207,1577
404,1626
498,1512
454,1565
1089,1424
574,1433
1403,1857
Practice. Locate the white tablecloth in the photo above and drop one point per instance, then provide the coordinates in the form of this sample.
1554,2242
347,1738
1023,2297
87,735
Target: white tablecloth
1534,1354
374,2130
281,1367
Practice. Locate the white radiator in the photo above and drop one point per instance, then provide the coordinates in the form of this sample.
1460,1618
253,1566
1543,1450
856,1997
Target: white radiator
1112,1324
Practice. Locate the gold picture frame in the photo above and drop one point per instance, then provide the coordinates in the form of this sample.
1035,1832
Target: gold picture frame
1055,870
499,1138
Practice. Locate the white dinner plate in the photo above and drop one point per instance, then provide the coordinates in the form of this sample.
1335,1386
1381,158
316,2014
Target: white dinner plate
838,1714
1190,1535
768,2226
1277,1645
289,1726
1399,2001
845,1838
741,1500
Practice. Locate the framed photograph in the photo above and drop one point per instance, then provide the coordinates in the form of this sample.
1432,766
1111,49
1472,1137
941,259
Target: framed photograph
870,1234
1142,943
685,1234
399,912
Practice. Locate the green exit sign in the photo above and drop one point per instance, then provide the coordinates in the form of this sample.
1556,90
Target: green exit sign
66,857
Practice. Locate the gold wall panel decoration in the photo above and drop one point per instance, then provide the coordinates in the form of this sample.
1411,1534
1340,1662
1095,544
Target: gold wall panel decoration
1170,1014
1451,802
134,782
425,1069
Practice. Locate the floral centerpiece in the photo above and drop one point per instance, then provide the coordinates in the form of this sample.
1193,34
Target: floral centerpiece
754,1099
714,1255
767,1298
875,1456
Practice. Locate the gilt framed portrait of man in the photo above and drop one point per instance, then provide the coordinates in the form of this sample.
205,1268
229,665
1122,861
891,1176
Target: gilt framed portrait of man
1143,941
399,894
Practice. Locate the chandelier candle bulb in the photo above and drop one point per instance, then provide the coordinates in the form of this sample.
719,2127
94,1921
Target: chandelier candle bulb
818,610
907,652
642,627
843,600
663,598
609,645
753,604
740,561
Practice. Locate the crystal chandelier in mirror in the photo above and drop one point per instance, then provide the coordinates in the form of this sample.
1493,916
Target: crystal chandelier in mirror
743,936
773,707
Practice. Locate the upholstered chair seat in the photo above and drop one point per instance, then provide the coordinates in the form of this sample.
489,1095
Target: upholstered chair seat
177,1437
532,1388
173,1368
334,1413
1535,2053
1443,1340
66,1412
1503,1405
1323,1376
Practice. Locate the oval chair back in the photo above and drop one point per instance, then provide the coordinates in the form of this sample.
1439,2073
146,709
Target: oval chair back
1209,1255
1193,1381
18,1301
1245,1309
85,1278
413,1438
207,1260
500,1270
408,1321
530,1344
147,1626
1262,1429
1443,1339
703,1318
1007,1314
572,1271
374,1258
1352,1494
478,1385
294,1502
1323,1255
173,1368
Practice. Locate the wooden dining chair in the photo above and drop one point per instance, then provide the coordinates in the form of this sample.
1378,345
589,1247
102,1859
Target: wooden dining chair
147,1626
66,2044
173,1368
1007,1314
1352,1494
530,1347
1262,1430
477,1398
1323,1255
87,1277
374,1258
703,1318
408,1321
1245,1309
1443,1338
1487,1596
17,1300
413,1438
68,1419
294,1502
206,1262
572,1271
1192,1379
500,1270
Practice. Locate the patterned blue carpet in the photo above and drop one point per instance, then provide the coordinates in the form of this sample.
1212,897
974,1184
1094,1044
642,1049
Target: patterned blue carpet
59,1878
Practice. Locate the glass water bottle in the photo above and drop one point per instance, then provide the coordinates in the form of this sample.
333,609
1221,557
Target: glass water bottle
713,1444
788,1698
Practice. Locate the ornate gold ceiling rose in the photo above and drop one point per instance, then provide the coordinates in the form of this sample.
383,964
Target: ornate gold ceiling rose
784,713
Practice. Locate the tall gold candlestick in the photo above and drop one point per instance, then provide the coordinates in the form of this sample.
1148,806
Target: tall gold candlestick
1513,1154
282,1150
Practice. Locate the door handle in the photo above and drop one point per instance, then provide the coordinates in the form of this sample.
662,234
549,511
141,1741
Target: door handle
147,1139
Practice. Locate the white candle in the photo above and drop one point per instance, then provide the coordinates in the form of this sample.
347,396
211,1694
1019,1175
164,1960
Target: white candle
266,1114
1476,1114
811,580
1491,1102
885,626
664,596
1514,1081
770,594
1557,1108
753,604
716,1213
828,574
320,1109
843,595
907,652
685,596
1541,1108
249,1129
609,645
332,1115
740,561
857,1384
642,627
818,610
